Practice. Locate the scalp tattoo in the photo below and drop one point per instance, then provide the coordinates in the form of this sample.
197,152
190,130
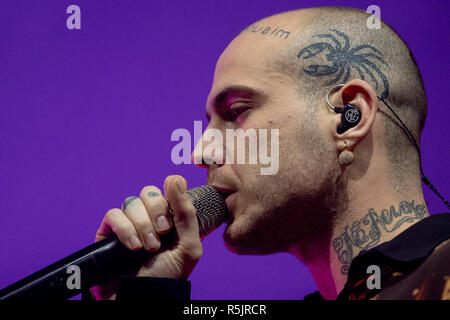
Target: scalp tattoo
365,59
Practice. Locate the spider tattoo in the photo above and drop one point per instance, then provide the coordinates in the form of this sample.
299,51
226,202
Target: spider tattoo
363,59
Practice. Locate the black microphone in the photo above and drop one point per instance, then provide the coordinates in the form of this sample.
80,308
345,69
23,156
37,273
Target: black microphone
106,259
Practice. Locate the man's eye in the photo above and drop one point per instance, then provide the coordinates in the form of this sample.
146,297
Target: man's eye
236,112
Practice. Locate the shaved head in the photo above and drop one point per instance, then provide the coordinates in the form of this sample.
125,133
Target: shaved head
321,47
276,75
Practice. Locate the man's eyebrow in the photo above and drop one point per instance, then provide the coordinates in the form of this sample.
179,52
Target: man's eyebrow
231,91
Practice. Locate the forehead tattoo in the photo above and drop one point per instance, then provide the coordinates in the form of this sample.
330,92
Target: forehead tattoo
268,30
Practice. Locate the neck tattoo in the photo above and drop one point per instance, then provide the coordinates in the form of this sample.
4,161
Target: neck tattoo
364,234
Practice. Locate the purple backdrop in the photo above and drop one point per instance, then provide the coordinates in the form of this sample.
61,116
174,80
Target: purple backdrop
86,119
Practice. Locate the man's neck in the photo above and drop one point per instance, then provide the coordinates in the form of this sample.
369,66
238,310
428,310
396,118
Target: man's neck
359,227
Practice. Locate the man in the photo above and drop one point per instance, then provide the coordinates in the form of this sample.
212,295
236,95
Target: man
338,193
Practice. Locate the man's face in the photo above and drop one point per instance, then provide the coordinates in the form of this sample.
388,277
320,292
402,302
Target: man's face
267,211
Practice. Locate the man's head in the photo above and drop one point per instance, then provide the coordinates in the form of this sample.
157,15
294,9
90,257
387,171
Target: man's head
275,75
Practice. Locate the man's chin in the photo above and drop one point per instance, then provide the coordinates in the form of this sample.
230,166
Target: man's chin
241,241
234,239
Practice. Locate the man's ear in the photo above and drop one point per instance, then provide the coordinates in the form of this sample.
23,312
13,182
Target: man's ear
360,94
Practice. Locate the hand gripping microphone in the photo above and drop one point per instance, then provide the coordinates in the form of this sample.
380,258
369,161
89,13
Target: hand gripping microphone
108,258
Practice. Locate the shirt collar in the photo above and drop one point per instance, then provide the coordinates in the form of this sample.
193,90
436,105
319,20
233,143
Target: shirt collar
416,242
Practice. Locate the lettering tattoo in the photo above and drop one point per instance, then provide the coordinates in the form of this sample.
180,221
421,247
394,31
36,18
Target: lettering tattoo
366,233
268,31
364,59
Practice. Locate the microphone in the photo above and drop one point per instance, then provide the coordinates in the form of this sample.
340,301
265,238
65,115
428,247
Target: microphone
104,260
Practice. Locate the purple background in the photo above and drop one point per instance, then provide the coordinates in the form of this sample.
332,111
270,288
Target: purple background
86,119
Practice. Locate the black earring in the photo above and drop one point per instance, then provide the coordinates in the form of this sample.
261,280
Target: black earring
350,114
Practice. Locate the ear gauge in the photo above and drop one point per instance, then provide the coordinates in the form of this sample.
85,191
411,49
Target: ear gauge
346,157
350,114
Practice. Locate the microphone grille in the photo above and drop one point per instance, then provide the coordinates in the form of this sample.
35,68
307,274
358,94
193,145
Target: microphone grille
210,206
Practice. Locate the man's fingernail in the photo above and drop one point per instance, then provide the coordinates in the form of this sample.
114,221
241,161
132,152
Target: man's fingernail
134,242
151,241
163,223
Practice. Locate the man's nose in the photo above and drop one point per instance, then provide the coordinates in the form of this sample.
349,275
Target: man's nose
207,152
199,161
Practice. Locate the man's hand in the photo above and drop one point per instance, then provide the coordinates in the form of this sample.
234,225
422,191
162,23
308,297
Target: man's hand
141,221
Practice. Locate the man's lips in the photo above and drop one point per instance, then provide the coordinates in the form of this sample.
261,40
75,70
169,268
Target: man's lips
230,201
224,190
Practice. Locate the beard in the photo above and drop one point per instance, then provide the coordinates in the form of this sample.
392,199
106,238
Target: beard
259,230
293,207
275,217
